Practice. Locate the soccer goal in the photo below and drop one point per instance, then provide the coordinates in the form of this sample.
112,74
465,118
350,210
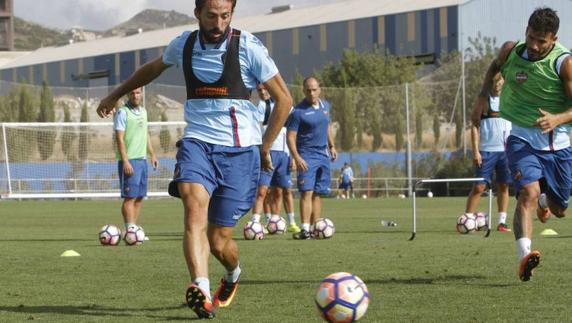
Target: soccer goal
75,159
449,180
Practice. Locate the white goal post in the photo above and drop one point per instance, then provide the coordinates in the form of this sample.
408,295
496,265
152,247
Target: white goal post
75,159
448,180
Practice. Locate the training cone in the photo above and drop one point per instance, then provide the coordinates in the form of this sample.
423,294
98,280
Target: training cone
70,253
548,232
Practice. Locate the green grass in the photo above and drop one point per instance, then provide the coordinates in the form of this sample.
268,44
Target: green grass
440,277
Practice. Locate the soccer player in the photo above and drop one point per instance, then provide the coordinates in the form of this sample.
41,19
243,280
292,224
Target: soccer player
346,181
218,159
311,141
488,139
133,144
537,99
280,176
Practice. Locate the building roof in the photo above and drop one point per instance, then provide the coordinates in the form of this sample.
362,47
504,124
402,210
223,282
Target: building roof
307,16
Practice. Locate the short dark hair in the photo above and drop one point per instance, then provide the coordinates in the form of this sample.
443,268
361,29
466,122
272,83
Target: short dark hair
199,4
544,20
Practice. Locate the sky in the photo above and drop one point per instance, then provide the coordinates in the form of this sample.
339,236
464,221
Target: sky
104,14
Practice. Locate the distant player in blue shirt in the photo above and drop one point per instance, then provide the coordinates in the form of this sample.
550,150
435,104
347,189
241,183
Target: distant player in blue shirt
489,133
311,142
346,181
218,160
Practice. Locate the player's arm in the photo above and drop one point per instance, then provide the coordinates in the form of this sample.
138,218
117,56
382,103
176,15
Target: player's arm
331,146
291,142
120,138
549,121
476,133
154,161
142,76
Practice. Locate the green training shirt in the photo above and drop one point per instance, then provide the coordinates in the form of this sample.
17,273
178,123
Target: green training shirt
135,136
530,85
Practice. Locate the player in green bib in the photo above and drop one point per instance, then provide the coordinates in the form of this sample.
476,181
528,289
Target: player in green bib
133,143
536,98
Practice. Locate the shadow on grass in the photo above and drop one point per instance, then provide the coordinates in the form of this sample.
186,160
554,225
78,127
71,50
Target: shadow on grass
97,310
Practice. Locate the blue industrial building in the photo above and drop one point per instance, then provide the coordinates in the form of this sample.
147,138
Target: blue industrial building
299,40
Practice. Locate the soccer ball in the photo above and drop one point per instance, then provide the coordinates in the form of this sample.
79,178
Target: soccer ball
466,224
134,235
253,231
109,235
276,225
323,228
482,221
342,297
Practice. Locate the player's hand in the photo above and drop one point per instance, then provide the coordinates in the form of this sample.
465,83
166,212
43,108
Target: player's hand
292,165
266,160
106,107
127,168
333,153
301,164
477,159
547,122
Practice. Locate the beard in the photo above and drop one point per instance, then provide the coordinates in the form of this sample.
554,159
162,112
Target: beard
213,35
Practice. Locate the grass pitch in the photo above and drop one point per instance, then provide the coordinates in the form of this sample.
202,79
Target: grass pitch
440,277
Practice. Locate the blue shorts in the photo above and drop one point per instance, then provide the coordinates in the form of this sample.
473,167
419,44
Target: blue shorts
317,177
229,174
280,176
497,161
135,185
345,185
551,168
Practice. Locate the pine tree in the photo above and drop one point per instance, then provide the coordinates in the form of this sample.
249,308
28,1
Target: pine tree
46,139
165,134
68,136
83,145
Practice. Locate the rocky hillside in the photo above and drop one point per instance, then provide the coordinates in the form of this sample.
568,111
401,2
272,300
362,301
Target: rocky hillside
150,19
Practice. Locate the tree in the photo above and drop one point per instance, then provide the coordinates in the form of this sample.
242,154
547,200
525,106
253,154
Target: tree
68,136
46,139
21,142
83,146
165,134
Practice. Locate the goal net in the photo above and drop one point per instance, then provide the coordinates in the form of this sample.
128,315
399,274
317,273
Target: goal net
75,160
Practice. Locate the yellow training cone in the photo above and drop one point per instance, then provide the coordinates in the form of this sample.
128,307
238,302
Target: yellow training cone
70,253
548,232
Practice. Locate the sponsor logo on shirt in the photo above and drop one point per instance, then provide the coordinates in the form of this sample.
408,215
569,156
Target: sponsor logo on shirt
521,77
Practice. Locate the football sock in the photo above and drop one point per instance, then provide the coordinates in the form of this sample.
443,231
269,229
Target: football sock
502,217
542,201
127,225
291,218
267,216
256,217
523,247
232,275
306,226
203,284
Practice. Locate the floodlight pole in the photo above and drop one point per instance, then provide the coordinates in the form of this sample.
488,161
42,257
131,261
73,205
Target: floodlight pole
448,180
7,160
409,171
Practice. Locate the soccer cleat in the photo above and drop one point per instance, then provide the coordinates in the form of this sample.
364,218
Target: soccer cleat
302,235
503,228
199,302
292,227
225,293
527,265
264,230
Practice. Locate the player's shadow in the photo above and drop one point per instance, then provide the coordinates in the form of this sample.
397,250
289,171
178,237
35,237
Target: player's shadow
94,310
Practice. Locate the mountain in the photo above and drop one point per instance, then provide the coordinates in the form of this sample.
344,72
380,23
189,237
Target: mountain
30,36
150,19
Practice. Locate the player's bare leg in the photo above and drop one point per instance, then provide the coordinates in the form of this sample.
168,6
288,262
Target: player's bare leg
306,205
525,208
502,206
224,248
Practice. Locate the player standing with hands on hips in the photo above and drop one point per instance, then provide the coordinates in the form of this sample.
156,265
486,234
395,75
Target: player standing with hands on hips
218,160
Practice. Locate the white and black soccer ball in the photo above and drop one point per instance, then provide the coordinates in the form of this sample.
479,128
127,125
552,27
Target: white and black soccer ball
323,228
276,225
109,235
482,221
342,297
253,231
134,235
466,224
